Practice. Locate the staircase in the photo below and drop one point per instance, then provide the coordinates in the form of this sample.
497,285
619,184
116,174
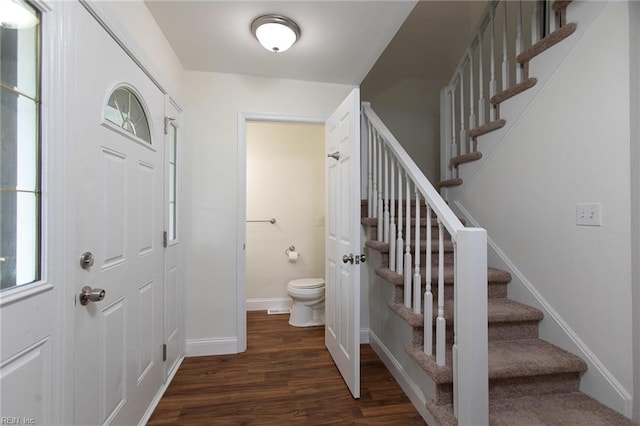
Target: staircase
517,378
531,382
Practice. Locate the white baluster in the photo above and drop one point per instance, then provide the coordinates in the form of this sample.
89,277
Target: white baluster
369,171
505,51
535,24
392,225
440,321
481,102
493,84
519,45
375,172
386,193
463,139
472,101
400,241
454,145
380,202
553,18
407,242
417,278
428,295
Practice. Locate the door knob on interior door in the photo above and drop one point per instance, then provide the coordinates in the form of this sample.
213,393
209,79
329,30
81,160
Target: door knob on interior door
88,294
334,155
348,259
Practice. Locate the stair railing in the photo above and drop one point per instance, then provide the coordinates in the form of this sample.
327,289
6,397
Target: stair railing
393,180
492,63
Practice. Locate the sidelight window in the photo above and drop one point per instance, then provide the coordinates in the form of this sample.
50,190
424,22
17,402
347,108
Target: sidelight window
20,169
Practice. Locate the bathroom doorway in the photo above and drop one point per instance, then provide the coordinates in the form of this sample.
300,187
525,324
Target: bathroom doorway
285,210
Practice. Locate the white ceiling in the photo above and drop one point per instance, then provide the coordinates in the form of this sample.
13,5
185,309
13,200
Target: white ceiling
340,41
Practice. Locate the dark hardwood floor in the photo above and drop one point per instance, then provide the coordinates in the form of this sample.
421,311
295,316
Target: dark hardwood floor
286,376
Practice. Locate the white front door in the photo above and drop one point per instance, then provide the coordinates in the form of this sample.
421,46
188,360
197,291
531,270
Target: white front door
342,311
116,188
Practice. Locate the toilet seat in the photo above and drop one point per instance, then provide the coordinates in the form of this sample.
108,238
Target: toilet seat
307,283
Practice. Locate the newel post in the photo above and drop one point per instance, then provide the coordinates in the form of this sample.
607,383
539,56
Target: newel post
471,384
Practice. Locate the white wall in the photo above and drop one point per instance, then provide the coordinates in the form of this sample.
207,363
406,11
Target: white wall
213,101
285,180
411,110
634,37
151,46
572,146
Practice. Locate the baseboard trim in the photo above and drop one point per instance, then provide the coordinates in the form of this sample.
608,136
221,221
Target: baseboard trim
264,304
215,346
409,387
160,394
624,402
364,336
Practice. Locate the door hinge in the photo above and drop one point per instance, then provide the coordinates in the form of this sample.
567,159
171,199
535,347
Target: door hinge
164,352
167,121
164,239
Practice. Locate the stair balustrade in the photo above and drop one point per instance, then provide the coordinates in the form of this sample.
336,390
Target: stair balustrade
390,168
493,60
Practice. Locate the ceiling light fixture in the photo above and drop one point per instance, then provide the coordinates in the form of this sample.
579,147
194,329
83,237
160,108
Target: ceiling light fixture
275,32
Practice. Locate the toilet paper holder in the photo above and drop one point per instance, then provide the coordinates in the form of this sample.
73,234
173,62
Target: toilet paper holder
291,248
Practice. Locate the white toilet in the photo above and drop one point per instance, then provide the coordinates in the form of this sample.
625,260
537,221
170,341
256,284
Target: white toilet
308,302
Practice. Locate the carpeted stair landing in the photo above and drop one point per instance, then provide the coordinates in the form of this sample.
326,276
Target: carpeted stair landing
531,381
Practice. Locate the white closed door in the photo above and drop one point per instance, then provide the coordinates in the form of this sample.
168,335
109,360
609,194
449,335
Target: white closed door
342,298
116,188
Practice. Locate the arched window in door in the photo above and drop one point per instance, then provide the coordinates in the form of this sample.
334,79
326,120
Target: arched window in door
125,111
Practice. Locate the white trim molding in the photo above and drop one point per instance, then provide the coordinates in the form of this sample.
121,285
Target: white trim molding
410,388
213,346
265,304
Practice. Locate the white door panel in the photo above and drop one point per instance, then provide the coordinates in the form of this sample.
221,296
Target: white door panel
118,200
342,335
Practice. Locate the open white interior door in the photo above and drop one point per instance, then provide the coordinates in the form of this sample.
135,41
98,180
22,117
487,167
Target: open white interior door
342,329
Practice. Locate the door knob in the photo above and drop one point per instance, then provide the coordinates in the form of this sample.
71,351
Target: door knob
347,259
334,155
88,294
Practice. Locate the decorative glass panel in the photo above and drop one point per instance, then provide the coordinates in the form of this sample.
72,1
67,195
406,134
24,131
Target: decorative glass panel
20,174
125,111
173,148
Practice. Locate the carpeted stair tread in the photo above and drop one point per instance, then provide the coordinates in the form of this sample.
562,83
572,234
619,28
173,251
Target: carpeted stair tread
449,183
571,408
498,310
558,5
493,275
530,357
465,158
442,413
384,247
513,90
551,40
373,221
486,128
567,409
507,359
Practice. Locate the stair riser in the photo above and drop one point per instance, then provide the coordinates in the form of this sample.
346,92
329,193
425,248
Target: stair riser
373,232
519,387
494,290
448,259
496,331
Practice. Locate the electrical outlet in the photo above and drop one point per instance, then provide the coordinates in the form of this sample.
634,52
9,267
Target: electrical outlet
588,214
